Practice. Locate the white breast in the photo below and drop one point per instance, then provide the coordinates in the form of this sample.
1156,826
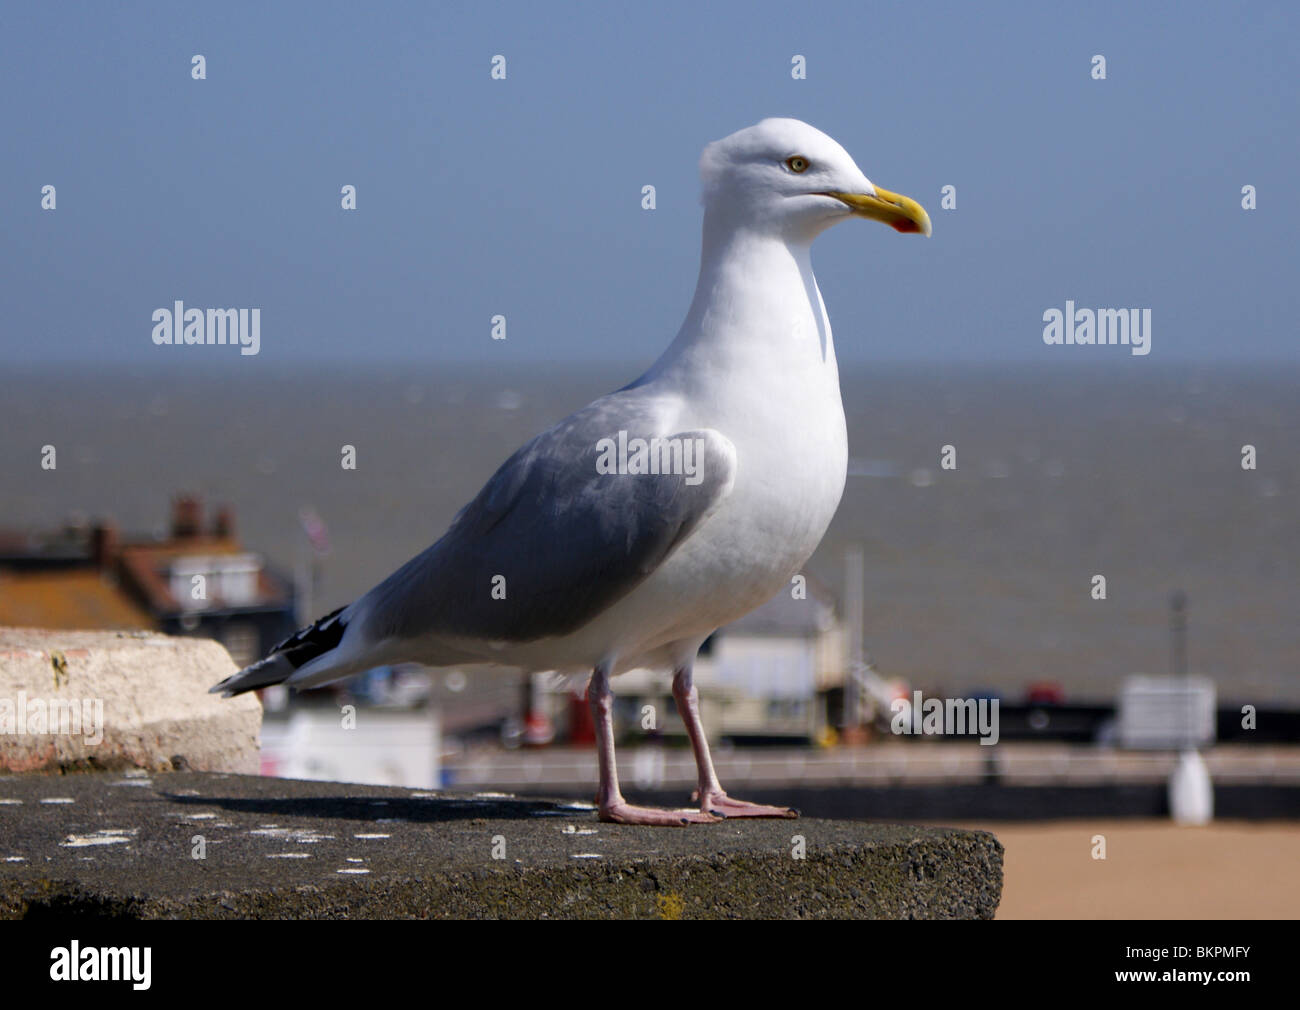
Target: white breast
772,388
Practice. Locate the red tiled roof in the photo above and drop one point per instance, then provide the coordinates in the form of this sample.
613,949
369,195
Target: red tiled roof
84,598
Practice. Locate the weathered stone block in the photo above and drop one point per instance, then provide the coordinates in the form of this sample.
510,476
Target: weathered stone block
102,700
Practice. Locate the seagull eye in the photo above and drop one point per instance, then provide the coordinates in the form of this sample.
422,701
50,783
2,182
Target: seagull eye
797,164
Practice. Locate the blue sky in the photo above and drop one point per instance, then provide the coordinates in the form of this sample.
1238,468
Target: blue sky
523,196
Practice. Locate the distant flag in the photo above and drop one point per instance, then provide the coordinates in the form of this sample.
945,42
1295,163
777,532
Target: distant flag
314,526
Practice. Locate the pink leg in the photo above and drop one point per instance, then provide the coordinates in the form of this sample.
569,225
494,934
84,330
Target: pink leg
712,798
609,800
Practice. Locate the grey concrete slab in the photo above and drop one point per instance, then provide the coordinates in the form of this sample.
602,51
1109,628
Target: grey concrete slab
210,845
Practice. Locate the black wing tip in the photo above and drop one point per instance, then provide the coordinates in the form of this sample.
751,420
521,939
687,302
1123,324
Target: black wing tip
281,662
313,633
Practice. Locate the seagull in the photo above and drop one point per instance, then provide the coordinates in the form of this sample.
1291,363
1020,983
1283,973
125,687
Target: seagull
622,537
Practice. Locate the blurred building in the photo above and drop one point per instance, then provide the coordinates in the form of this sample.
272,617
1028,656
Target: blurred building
198,579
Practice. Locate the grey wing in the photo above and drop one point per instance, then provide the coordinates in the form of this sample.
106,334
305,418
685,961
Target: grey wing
551,541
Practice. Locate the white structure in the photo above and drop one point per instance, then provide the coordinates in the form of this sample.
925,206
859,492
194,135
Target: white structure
1167,713
229,580
1174,713
1191,793
372,747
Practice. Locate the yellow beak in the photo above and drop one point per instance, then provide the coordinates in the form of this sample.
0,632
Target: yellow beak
899,212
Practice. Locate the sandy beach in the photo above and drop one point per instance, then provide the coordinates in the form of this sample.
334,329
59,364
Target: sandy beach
1152,870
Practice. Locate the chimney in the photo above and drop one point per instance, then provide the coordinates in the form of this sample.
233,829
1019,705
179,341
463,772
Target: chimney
104,545
223,526
187,517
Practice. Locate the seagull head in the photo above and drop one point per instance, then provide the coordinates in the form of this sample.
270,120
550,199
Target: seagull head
785,177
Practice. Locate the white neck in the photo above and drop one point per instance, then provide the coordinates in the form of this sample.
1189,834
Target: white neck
756,306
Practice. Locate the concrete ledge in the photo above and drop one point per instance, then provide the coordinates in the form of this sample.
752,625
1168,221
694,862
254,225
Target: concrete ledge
123,845
94,700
